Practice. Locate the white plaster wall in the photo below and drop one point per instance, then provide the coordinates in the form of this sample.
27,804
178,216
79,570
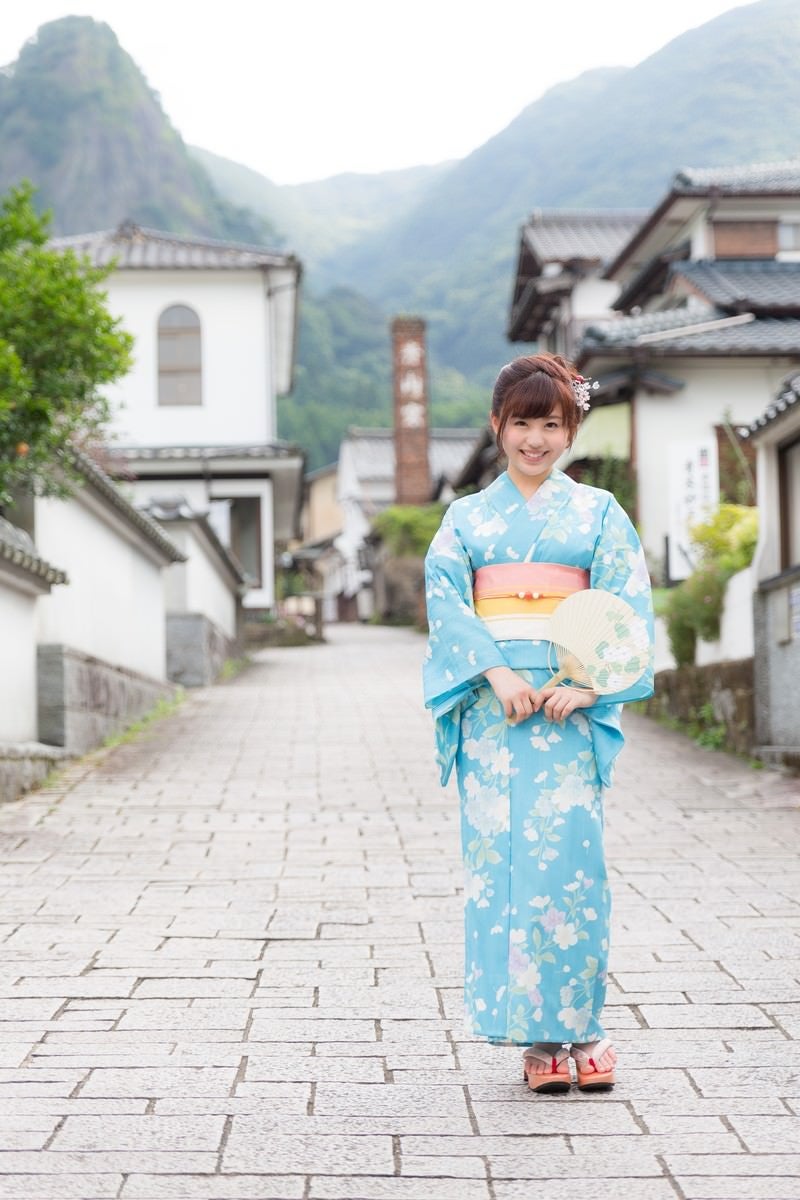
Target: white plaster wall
221,489
711,389
198,586
238,386
200,494
767,558
113,606
592,298
18,721
736,627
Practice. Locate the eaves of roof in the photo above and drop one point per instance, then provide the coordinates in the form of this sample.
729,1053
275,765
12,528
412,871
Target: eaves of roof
760,179
97,479
179,512
787,400
706,333
18,549
539,299
134,247
651,279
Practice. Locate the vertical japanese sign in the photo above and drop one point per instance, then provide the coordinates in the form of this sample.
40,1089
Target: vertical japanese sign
693,495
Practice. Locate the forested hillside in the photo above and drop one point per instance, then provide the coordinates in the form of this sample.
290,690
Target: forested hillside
79,119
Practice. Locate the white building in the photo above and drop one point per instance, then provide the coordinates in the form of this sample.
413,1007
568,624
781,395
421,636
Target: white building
214,325
708,327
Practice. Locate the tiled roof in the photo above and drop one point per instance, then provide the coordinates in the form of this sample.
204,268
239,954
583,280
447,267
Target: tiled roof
745,285
104,484
132,246
266,450
17,548
717,333
373,451
786,400
559,235
177,508
759,177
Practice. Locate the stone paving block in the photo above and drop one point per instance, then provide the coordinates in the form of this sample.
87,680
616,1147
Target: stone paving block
704,1016
199,1187
733,1081
732,1188
560,1117
60,1187
584,1166
631,1187
388,1099
64,1162
261,1067
140,1133
397,1189
768,1135
167,1081
771,1165
440,1167
303,1154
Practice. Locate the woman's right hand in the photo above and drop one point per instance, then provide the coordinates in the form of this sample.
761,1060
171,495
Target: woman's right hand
516,696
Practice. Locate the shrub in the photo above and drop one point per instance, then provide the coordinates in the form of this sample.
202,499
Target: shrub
694,609
408,528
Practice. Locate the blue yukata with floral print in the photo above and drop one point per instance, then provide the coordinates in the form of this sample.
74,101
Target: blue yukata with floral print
536,894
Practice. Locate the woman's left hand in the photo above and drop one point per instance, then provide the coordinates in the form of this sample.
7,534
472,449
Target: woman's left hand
559,702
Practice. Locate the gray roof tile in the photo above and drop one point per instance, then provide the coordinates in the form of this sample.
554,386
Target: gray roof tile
373,451
765,335
786,400
17,548
134,247
758,177
559,235
746,284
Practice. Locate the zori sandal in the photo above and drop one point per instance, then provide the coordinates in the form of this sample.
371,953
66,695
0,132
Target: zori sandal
556,1079
591,1079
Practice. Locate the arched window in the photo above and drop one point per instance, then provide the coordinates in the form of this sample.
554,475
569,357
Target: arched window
179,357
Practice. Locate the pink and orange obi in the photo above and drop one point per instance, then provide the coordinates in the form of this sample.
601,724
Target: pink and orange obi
515,600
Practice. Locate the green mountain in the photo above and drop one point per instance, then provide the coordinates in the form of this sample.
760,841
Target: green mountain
727,92
79,120
321,218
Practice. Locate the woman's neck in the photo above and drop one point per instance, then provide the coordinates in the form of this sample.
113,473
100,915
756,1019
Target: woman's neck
525,484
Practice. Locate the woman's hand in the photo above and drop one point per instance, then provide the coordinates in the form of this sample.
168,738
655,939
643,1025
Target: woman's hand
516,696
559,702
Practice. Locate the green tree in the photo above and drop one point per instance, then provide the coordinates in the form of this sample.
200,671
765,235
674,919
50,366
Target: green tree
58,345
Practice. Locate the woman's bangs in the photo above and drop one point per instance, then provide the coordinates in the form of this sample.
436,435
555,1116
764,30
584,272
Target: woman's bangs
532,398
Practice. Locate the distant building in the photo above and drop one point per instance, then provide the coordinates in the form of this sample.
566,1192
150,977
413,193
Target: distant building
559,287
708,327
195,419
776,434
366,485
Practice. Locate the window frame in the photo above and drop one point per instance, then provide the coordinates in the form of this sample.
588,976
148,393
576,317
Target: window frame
191,368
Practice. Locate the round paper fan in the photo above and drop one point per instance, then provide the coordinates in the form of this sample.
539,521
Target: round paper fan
600,642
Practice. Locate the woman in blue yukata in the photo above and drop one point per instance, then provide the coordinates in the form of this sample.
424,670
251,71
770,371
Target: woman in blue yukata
531,760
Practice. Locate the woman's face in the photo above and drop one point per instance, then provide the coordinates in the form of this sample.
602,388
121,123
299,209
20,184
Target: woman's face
533,445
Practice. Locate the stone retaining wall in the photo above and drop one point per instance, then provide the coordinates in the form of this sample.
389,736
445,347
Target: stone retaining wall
714,696
83,700
196,649
26,765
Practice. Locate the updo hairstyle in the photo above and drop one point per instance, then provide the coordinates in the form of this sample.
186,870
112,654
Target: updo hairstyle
533,386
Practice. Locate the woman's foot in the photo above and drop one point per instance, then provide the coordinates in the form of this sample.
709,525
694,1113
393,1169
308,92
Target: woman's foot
595,1062
546,1067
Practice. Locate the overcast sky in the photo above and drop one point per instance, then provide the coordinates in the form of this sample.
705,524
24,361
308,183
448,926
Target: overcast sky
304,89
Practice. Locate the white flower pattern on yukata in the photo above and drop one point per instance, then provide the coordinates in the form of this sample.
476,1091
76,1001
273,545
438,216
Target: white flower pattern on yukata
536,896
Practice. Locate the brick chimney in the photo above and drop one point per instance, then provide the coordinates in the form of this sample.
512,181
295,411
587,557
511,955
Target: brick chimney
412,471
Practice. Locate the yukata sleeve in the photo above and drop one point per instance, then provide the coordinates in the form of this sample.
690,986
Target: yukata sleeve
619,566
460,647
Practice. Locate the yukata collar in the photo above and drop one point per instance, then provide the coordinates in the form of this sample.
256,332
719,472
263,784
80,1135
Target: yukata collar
505,496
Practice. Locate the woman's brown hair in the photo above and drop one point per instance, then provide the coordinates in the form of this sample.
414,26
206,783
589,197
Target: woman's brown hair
533,386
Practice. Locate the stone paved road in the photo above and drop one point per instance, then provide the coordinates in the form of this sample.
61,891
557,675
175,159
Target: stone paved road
232,966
